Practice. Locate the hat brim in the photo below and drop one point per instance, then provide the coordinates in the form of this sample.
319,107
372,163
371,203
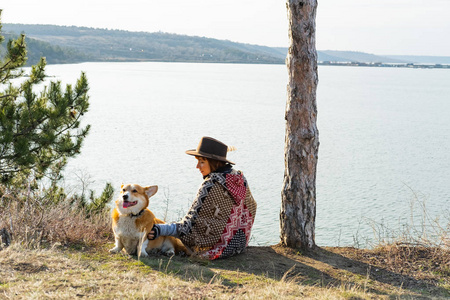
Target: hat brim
194,152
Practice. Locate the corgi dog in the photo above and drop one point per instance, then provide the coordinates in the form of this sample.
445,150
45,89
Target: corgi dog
132,220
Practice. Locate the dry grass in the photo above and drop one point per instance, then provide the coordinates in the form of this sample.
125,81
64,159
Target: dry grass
36,221
419,230
35,227
420,246
412,259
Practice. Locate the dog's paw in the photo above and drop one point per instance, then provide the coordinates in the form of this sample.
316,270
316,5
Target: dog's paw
153,251
144,253
170,252
114,250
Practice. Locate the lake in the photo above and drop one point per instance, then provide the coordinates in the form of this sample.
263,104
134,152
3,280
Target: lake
384,139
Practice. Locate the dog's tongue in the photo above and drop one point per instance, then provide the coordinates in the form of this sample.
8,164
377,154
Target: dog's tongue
126,204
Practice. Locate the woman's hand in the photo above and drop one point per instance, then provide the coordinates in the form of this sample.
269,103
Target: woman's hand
154,233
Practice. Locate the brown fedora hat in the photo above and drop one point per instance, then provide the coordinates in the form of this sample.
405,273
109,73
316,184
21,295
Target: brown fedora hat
211,148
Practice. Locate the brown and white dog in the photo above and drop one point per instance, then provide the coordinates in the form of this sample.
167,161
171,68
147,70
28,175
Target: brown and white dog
132,220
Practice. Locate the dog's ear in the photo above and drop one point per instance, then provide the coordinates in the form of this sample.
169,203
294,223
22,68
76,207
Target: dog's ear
151,190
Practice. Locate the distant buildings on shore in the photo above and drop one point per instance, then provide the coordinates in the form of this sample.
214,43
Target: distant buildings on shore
385,65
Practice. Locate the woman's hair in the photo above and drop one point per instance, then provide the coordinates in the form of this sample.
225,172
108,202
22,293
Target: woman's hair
215,164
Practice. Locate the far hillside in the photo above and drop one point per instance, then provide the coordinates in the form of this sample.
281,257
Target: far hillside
119,45
71,44
55,54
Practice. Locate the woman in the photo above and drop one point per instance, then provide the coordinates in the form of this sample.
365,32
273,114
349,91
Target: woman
220,220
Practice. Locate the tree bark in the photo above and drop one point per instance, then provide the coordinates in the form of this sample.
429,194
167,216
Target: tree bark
298,209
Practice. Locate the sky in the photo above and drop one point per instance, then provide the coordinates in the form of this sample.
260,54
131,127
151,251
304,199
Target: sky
396,27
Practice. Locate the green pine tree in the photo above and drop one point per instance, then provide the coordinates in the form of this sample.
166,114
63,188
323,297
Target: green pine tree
38,130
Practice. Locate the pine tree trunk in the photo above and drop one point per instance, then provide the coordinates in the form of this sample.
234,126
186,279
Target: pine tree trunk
298,209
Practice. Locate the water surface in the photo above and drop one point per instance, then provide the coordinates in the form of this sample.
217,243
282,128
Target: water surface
384,138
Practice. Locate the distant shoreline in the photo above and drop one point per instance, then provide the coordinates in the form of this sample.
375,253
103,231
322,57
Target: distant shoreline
385,65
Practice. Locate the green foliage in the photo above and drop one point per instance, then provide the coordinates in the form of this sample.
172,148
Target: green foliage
38,131
94,205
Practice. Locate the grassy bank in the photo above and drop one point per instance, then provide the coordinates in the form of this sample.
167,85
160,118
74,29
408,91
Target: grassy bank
261,273
59,250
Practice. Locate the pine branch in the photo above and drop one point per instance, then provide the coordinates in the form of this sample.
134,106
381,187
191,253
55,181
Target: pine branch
5,96
27,130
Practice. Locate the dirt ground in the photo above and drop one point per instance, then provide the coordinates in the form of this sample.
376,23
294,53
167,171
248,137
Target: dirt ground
330,266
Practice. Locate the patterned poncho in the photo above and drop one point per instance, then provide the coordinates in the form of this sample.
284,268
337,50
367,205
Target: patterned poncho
221,217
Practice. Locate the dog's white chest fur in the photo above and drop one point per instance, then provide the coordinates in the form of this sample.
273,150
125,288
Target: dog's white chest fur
128,235
126,227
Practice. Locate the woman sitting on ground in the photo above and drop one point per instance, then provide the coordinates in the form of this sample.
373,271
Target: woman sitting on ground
220,220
